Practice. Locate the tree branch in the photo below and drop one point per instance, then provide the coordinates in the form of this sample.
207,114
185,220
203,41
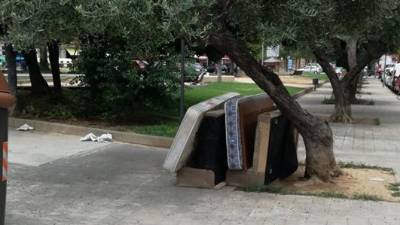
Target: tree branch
323,61
373,50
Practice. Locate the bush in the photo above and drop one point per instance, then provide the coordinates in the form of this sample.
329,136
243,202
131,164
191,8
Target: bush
115,87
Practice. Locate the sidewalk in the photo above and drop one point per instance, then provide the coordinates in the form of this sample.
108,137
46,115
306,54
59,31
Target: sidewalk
368,144
121,184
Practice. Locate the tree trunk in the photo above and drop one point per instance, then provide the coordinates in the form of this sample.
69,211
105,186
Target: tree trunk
38,83
371,69
54,53
316,133
342,111
352,86
351,49
44,64
11,68
343,97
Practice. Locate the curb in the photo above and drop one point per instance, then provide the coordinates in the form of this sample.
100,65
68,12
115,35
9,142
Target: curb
125,137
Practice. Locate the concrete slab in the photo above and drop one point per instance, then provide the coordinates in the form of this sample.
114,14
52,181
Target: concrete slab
126,185
35,148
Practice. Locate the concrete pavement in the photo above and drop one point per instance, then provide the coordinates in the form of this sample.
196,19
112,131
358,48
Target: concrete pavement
361,143
125,184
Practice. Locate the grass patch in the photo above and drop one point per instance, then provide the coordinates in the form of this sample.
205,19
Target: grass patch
267,189
331,101
328,101
168,129
325,194
366,197
396,194
194,95
352,165
395,189
331,195
320,76
364,93
364,102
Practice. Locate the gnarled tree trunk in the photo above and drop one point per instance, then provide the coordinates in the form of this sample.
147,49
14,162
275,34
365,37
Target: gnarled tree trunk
11,68
38,83
316,133
54,54
342,111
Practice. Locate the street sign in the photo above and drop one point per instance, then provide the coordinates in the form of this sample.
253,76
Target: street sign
273,51
290,63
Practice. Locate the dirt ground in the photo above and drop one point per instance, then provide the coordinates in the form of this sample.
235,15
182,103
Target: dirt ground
368,184
293,81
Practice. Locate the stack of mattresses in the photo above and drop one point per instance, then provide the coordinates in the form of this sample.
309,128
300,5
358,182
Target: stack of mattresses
261,143
246,144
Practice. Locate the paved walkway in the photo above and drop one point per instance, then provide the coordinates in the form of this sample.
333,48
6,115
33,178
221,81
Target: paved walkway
119,184
369,144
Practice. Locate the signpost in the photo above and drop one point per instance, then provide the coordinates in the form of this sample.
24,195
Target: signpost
182,81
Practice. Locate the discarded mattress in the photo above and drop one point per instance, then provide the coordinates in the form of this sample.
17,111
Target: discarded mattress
282,150
210,147
182,146
241,116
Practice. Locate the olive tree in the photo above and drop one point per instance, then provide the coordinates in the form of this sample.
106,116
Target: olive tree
228,26
33,24
352,33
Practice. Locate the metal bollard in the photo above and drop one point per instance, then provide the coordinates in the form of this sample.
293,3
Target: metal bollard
315,83
6,101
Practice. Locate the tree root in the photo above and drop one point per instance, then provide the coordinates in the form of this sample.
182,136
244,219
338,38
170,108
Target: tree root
341,118
337,172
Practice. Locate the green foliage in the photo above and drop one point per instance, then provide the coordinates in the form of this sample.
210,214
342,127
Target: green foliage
45,107
33,23
116,88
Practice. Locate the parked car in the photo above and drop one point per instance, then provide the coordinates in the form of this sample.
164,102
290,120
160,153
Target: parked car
2,60
65,62
339,71
388,79
193,72
311,68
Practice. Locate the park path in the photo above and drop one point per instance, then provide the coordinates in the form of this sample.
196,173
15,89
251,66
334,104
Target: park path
363,143
121,184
